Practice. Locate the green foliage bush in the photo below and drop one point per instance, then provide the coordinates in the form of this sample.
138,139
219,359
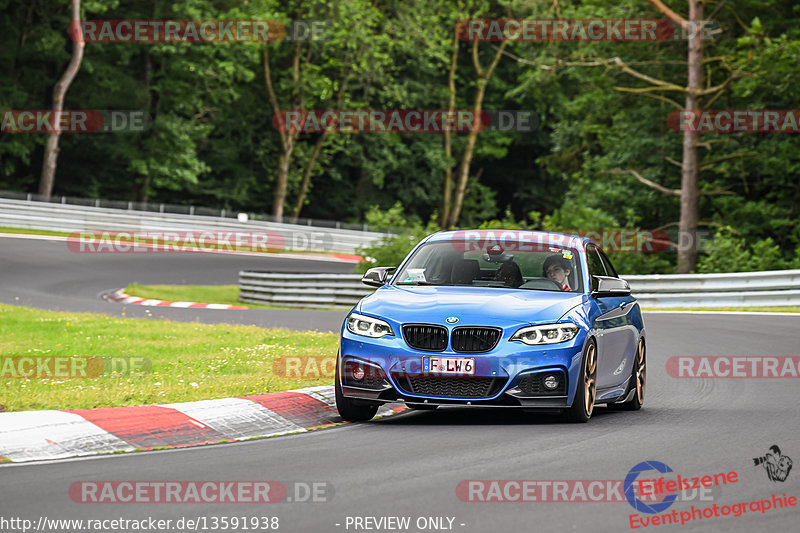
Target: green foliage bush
728,252
405,234
212,141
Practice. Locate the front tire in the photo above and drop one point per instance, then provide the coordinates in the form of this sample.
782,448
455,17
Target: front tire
349,409
583,404
638,381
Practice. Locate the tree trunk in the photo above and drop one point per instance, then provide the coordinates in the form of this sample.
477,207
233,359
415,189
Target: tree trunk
48,176
301,198
687,237
279,195
151,104
448,147
287,137
466,159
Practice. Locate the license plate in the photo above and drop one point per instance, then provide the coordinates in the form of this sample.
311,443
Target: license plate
448,365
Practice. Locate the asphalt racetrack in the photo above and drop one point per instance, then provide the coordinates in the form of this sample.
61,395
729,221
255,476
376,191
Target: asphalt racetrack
43,273
411,464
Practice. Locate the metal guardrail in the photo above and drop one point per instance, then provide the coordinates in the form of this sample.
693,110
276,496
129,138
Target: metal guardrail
302,290
734,289
740,289
732,281
162,208
721,299
74,218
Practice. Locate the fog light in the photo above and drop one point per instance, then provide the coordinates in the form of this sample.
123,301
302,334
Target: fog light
550,382
358,373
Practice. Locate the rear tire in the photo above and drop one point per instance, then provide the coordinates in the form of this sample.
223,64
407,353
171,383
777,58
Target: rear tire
583,404
349,409
638,382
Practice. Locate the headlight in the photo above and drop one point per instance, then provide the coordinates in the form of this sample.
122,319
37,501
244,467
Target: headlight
368,326
546,334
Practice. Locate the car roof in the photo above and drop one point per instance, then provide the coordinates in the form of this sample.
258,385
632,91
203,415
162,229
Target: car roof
543,237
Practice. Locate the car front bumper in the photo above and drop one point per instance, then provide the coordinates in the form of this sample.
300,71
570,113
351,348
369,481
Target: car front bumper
510,375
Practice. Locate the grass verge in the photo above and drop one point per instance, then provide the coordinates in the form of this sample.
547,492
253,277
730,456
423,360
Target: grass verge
188,361
207,294
28,231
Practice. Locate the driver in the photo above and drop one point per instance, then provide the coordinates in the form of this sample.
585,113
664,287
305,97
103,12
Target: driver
557,269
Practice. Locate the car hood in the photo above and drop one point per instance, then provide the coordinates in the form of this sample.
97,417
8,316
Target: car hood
471,305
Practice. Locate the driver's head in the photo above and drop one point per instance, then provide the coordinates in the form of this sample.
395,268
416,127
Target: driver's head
556,268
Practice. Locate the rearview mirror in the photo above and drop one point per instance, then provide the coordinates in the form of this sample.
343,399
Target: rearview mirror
608,286
377,277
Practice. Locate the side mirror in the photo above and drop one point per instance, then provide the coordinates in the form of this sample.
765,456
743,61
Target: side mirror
608,286
376,277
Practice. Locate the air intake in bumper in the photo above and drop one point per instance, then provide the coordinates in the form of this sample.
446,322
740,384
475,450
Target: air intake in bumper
450,387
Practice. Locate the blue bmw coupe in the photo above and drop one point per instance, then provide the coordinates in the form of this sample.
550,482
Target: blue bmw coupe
494,318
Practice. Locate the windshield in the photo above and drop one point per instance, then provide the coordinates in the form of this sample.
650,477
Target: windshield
524,267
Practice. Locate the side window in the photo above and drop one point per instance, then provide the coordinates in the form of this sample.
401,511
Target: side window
607,263
596,267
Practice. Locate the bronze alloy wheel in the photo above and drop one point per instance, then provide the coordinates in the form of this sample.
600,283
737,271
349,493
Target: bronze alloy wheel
638,380
585,387
641,371
590,379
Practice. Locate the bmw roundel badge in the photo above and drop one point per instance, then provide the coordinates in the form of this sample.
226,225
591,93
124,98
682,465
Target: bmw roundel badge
451,319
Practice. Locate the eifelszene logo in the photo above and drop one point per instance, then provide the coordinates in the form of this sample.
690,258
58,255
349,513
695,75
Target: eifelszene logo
655,496
630,482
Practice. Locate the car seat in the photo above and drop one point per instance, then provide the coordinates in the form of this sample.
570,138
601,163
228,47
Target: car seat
464,271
